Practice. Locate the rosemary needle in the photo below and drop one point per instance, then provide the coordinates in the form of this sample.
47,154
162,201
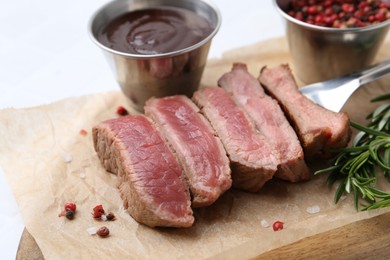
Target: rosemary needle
356,167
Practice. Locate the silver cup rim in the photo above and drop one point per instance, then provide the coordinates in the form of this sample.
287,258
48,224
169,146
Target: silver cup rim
160,55
329,29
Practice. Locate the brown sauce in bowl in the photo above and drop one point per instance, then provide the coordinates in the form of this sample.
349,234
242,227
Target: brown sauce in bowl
155,31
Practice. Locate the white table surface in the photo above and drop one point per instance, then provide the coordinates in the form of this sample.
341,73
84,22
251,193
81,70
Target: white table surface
46,55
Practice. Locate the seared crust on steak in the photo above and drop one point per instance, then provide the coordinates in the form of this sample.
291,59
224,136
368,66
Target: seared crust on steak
150,181
318,128
252,159
269,119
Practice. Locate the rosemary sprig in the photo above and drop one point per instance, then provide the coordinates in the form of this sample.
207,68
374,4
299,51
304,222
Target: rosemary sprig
356,167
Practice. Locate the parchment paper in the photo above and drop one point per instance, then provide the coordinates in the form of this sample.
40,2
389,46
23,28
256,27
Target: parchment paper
36,145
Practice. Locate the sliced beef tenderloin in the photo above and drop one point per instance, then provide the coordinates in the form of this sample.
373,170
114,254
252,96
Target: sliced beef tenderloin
200,153
269,120
150,177
318,128
252,159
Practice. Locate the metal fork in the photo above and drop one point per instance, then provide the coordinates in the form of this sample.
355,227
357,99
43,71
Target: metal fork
332,94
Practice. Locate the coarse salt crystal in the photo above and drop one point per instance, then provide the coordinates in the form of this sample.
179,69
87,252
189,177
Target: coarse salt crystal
82,175
103,217
313,209
68,158
92,230
264,223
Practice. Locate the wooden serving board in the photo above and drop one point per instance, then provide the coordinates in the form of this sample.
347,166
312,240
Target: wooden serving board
365,239
368,238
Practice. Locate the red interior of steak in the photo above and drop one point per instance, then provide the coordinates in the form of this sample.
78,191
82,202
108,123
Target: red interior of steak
253,161
150,176
318,129
200,152
237,132
269,120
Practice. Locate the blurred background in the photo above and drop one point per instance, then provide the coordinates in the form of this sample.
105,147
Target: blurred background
46,55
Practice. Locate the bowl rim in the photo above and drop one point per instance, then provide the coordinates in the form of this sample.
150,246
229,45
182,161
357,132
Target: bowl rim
159,55
329,29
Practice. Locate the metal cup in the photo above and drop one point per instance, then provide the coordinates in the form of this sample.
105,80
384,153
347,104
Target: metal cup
143,76
321,53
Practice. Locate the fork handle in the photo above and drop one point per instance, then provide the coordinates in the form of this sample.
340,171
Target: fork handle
374,72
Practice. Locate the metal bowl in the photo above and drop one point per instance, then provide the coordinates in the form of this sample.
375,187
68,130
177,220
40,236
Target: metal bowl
143,76
321,53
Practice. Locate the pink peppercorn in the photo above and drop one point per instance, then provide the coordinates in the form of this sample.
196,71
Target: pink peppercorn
340,13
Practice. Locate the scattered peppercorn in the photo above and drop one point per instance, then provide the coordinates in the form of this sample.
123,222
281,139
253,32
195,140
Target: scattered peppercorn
277,226
122,111
70,206
100,214
103,232
69,211
98,211
83,132
340,13
110,216
69,214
